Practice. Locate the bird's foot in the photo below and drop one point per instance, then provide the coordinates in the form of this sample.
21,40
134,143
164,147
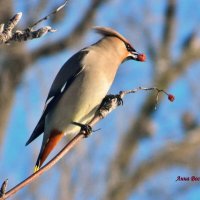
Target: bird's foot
85,128
120,101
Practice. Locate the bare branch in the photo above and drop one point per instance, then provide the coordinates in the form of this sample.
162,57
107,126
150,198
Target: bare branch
189,56
109,103
52,13
66,149
30,34
7,34
169,26
191,50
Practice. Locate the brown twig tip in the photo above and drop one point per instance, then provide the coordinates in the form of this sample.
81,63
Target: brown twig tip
18,16
14,20
3,188
12,23
43,31
62,6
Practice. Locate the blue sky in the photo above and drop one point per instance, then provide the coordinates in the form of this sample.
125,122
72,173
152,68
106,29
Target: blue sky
19,160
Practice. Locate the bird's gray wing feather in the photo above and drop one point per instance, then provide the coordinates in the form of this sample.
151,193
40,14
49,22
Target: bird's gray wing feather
65,77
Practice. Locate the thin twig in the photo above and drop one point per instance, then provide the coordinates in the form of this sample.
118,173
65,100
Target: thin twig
109,103
170,97
52,13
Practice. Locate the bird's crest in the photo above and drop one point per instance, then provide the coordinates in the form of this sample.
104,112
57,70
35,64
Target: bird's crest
106,31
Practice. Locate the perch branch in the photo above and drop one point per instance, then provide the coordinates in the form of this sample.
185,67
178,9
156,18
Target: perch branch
7,34
109,103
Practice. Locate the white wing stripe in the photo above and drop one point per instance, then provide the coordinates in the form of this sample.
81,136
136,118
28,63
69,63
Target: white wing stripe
63,87
80,70
49,100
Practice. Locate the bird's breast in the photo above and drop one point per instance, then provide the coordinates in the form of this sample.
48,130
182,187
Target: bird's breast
80,101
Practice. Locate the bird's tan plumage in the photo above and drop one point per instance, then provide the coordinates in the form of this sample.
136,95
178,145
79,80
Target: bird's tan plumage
78,97
106,31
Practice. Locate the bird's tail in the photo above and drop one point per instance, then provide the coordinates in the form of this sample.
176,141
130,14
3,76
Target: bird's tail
36,168
54,138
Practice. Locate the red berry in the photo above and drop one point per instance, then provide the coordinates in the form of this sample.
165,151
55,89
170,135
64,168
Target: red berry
171,97
142,57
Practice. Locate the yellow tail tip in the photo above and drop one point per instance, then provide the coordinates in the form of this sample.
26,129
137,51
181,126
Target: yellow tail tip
36,168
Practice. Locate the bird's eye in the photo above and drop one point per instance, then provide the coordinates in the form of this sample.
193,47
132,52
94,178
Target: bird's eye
129,47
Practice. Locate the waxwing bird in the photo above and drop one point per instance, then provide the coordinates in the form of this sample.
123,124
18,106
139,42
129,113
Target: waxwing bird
79,88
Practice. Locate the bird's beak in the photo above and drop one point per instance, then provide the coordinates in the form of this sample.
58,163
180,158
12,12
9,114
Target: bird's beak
137,56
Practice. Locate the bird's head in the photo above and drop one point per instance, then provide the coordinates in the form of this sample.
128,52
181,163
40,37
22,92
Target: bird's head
129,53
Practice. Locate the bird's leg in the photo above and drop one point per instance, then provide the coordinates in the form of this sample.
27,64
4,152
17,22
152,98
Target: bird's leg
87,129
105,105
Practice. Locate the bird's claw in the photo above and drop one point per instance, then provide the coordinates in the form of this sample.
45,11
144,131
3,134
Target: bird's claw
120,101
106,103
85,128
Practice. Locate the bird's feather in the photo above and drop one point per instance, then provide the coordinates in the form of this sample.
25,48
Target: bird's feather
65,77
54,138
106,31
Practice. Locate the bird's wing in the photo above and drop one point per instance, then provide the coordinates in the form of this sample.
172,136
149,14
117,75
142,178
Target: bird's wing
65,77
